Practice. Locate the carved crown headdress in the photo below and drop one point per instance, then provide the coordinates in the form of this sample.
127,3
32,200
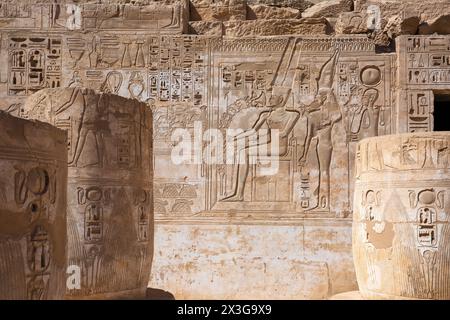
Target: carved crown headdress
326,75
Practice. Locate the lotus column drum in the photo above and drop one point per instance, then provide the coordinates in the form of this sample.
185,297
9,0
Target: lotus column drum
33,180
110,211
401,230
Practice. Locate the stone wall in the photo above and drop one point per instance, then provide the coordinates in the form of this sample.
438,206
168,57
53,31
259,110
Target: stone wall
234,64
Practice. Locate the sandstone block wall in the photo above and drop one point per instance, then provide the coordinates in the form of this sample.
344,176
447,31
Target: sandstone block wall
328,80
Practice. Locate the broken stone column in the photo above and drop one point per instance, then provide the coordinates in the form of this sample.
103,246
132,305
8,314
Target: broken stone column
33,181
401,229
110,207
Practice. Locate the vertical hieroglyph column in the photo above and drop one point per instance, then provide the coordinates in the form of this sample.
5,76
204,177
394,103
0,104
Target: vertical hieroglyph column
401,229
33,182
110,207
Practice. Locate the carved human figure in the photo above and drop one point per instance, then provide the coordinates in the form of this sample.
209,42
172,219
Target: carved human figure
365,116
110,163
93,120
277,118
400,236
322,115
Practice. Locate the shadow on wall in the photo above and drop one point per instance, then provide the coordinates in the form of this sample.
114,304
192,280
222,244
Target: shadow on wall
158,294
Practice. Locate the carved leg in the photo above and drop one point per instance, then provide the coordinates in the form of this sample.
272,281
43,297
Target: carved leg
79,146
100,148
240,177
324,151
303,157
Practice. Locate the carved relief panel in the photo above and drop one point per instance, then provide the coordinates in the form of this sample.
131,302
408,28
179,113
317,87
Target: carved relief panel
336,92
110,206
167,69
63,44
71,16
339,93
35,63
400,221
33,186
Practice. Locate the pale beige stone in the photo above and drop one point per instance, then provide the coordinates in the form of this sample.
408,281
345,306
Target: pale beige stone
207,28
395,18
424,9
33,183
208,10
92,16
285,207
401,225
330,8
110,214
271,12
351,23
295,4
418,80
397,26
271,27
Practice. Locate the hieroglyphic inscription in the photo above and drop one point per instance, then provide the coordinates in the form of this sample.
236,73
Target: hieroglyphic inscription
34,63
424,69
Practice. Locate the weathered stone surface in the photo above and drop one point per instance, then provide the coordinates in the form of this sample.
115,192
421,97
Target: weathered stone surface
110,212
208,10
397,26
296,202
351,23
33,183
440,25
425,10
418,80
271,27
295,4
401,228
350,295
207,28
330,8
312,260
387,19
271,12
323,92
92,16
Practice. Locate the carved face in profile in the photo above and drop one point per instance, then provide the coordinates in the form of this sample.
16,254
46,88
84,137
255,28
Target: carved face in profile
275,100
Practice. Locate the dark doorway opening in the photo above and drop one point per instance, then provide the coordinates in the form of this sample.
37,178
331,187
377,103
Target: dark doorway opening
442,112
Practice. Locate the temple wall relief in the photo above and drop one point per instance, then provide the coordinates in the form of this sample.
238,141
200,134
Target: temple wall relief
424,71
110,206
321,94
33,235
324,95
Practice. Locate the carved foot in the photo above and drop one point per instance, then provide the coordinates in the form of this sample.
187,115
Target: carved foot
233,198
